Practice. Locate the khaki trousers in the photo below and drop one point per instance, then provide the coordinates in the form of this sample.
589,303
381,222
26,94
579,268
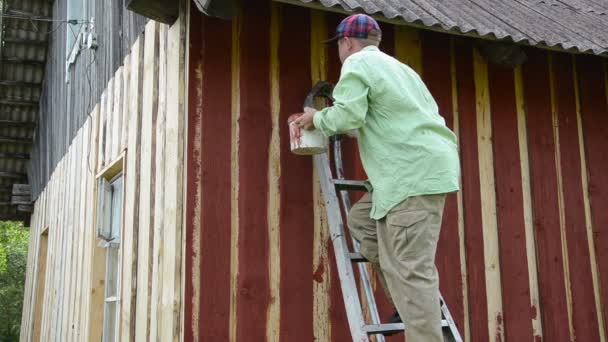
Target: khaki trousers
403,245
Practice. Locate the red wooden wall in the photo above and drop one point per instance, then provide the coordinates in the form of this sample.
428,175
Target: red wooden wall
523,253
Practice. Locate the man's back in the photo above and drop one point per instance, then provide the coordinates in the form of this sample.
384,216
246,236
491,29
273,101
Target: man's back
405,147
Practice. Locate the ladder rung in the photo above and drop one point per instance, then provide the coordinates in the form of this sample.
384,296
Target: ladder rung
349,185
387,328
383,328
356,257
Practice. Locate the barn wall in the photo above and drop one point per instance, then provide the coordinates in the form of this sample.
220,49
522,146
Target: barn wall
141,119
68,97
523,253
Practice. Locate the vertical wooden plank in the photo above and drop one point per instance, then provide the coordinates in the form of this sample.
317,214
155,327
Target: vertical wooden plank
194,174
465,326
235,100
297,215
126,77
65,271
585,322
510,206
254,133
488,199
593,95
147,181
527,205
544,197
132,181
320,263
408,47
273,315
438,77
471,188
117,114
109,123
586,202
560,197
90,279
85,205
102,131
43,238
77,180
170,329
159,191
209,169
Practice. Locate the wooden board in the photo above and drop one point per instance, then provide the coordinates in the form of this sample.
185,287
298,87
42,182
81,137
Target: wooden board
594,115
254,132
117,114
517,316
171,303
296,197
474,239
132,182
544,198
147,181
585,321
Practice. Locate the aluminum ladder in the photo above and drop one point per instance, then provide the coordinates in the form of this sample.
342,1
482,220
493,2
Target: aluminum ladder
330,186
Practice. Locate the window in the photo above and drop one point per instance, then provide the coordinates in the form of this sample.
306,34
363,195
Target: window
109,227
76,9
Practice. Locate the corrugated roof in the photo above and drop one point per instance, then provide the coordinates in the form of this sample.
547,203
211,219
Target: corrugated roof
576,25
22,63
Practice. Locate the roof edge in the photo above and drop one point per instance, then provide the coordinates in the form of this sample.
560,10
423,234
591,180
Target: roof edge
398,20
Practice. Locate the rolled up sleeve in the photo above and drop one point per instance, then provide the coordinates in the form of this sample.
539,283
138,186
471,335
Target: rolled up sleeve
350,101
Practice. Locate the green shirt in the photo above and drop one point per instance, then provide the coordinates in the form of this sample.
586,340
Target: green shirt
406,148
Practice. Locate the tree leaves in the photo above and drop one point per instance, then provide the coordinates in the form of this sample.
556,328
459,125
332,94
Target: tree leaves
13,264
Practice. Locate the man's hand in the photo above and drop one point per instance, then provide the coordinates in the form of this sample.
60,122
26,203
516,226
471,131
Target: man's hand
304,121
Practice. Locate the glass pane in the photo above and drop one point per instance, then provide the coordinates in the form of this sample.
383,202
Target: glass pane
75,10
116,207
109,322
112,269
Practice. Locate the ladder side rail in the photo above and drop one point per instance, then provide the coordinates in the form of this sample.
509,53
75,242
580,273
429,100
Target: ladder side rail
346,274
450,321
363,273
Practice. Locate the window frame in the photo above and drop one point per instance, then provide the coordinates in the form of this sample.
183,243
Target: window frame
111,202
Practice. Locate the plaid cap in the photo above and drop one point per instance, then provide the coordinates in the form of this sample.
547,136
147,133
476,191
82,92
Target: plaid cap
357,26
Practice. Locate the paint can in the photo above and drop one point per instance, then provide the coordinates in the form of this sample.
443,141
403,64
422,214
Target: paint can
304,142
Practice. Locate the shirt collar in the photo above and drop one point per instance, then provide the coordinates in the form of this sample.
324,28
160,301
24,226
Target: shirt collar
370,48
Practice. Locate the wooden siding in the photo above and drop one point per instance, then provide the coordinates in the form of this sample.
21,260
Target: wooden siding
522,254
65,106
141,119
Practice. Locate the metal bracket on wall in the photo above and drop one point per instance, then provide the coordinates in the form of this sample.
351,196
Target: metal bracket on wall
86,38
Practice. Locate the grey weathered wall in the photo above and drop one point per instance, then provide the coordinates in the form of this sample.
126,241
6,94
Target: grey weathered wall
64,107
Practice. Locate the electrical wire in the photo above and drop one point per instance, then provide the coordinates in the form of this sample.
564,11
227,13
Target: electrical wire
65,21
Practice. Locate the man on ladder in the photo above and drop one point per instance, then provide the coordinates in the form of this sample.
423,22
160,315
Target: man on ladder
411,159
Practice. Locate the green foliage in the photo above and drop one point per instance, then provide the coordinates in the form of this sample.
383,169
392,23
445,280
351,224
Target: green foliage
13,264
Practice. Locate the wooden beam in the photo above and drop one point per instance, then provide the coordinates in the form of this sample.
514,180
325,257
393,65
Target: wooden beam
25,41
4,155
26,15
27,208
22,189
13,140
17,60
14,123
12,175
18,102
18,83
21,200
